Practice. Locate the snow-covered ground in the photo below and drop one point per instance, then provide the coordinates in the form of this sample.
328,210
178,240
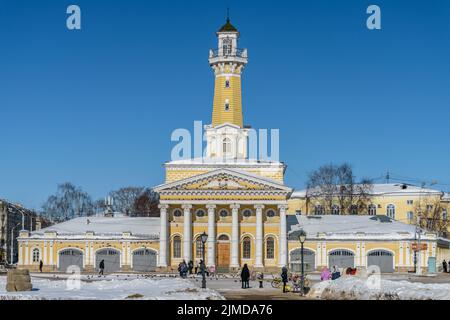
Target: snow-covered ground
354,288
111,287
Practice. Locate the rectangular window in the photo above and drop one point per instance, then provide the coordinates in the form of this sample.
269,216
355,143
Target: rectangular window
410,216
298,212
409,202
177,248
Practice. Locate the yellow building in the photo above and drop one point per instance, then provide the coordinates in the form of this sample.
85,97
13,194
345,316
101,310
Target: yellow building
250,216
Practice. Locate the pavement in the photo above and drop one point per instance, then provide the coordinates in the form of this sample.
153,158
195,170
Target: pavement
231,289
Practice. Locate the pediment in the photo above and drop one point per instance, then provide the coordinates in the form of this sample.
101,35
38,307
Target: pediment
224,179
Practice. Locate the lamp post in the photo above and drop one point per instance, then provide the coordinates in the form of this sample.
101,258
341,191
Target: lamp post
204,238
302,239
12,243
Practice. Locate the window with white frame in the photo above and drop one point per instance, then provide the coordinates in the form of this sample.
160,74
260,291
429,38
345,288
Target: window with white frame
372,210
199,248
318,210
226,146
177,247
410,216
390,211
227,105
227,46
335,210
444,214
270,248
409,202
246,248
36,256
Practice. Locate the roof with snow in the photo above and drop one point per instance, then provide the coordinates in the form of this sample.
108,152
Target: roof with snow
386,189
333,227
104,227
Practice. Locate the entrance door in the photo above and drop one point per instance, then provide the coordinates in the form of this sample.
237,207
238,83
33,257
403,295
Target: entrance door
111,259
223,254
144,260
383,259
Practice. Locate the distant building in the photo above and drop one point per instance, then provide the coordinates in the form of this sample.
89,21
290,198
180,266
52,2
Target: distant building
11,218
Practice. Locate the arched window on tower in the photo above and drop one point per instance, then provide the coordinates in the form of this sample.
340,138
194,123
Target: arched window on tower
227,47
391,211
246,248
36,256
199,248
226,146
227,105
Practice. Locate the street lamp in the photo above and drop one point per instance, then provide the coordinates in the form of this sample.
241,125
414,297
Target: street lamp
302,239
203,237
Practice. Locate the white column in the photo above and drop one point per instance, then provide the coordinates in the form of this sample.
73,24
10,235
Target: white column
86,253
211,235
400,254
259,236
283,259
27,250
45,253
363,254
187,236
163,235
234,236
51,253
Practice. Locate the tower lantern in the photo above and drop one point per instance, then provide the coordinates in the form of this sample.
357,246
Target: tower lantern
227,61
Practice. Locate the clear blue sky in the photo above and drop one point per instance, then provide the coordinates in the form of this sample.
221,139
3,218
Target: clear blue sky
96,107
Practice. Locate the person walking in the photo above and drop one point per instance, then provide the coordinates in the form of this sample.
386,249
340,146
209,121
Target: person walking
41,265
212,272
260,279
245,276
101,266
444,266
284,277
184,269
335,274
196,269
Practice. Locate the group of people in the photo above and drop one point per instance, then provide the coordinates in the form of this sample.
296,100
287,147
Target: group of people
185,269
332,275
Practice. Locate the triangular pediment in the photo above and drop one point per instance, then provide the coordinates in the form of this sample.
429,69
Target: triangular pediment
224,179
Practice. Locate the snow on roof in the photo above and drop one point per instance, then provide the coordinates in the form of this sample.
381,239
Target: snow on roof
223,162
446,197
106,227
351,227
386,189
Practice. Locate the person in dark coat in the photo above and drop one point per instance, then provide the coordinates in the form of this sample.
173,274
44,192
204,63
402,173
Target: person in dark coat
444,265
101,266
41,264
191,266
284,277
245,276
335,274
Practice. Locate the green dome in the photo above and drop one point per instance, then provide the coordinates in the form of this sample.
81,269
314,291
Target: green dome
228,27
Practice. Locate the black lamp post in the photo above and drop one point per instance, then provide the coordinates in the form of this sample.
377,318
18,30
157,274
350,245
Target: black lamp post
203,237
302,238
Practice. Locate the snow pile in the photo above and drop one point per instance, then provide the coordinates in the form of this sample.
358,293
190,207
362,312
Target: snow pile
112,288
354,288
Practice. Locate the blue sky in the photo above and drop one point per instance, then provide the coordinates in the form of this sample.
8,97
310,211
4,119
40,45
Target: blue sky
96,107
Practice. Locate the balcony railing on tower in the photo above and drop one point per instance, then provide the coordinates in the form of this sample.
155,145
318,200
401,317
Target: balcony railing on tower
241,53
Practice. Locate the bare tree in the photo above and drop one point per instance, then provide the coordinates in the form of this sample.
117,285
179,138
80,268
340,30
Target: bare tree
125,198
146,204
334,187
430,213
67,203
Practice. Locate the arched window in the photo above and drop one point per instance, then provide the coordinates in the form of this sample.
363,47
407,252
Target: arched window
199,248
226,146
270,248
372,210
36,257
246,248
391,211
227,105
353,209
318,210
335,210
444,214
227,82
177,247
227,46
